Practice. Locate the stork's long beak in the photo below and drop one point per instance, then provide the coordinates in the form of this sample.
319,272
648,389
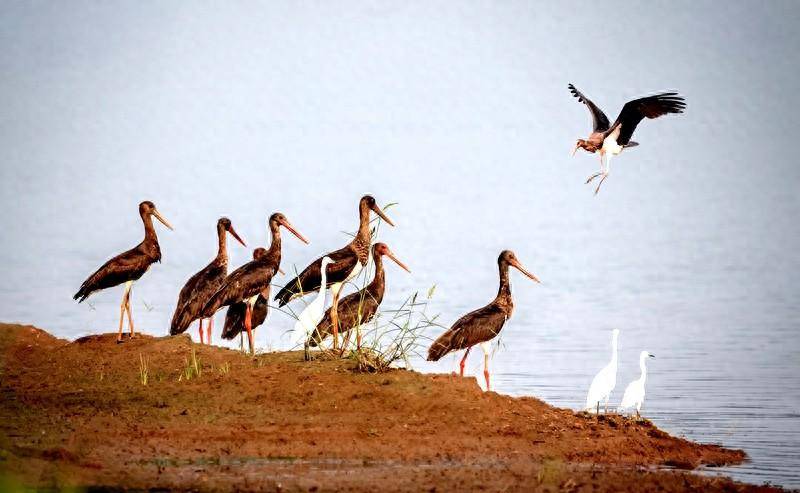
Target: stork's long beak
288,226
380,213
161,218
575,150
281,271
401,264
652,355
235,235
516,264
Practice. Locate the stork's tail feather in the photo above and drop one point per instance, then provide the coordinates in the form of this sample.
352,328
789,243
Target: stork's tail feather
82,294
180,322
284,295
439,348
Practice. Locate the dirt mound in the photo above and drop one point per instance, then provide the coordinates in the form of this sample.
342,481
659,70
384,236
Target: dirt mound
168,413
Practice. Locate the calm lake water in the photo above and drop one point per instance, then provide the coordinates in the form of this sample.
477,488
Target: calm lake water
461,115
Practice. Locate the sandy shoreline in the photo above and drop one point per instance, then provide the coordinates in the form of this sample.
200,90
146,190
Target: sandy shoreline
77,413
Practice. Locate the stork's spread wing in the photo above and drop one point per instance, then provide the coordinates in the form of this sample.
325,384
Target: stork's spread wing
344,260
354,309
599,119
127,266
473,328
651,107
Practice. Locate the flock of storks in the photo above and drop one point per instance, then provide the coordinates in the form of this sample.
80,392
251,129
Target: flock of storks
246,291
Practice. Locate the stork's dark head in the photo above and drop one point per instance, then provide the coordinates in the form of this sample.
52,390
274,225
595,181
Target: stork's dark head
259,252
585,145
278,219
224,224
508,257
368,203
148,208
379,249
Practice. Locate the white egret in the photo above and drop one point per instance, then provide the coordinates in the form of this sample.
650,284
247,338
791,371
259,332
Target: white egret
633,398
605,380
313,313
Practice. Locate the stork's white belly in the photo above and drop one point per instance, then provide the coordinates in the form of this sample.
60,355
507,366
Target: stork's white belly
610,143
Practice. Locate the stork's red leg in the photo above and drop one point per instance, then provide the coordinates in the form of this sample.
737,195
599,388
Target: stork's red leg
200,329
464,360
248,324
486,369
209,326
335,319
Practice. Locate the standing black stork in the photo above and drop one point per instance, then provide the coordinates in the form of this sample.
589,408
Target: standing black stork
360,307
347,263
483,324
234,318
201,286
609,139
253,278
127,267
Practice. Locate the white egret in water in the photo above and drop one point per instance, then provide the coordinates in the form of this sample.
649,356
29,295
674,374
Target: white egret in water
634,392
605,380
312,314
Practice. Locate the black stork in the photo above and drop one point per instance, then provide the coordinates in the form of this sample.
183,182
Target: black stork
234,318
360,307
609,139
127,267
483,324
203,284
253,278
347,263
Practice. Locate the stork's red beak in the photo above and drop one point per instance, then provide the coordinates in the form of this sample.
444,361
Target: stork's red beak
161,218
285,223
398,262
235,235
516,264
380,213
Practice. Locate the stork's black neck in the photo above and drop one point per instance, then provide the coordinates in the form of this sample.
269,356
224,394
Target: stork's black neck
363,238
150,242
222,249
273,255
504,291
378,284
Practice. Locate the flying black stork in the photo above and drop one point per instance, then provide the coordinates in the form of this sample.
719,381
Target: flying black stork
127,267
203,284
253,278
482,325
360,307
347,263
234,318
610,140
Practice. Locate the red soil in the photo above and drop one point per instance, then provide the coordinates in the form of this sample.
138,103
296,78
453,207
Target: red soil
77,413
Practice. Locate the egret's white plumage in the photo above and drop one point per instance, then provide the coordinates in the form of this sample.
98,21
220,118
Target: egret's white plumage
312,314
605,380
634,392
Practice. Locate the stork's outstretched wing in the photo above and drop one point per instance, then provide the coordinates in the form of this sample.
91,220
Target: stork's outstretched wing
599,119
651,107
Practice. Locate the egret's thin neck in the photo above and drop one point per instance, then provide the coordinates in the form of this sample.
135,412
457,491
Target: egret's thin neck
643,367
614,350
323,279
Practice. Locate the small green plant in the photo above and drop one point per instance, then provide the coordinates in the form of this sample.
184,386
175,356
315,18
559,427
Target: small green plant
225,368
144,369
192,369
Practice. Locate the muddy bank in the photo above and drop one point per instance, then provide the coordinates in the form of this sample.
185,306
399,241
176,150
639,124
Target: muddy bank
78,413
